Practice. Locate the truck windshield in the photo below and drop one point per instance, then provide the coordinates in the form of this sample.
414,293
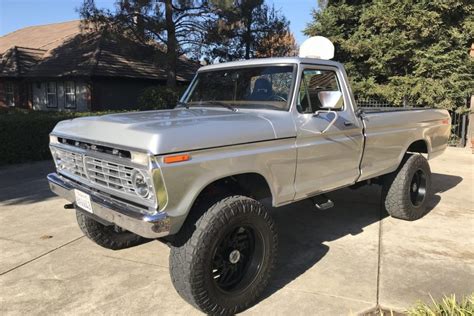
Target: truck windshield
264,87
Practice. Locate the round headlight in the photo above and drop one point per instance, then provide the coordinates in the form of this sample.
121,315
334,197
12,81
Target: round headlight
140,184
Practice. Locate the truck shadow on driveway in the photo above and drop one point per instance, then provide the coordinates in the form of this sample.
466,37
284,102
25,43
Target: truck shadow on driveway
303,230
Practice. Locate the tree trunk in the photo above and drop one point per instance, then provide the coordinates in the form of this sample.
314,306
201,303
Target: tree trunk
171,50
248,41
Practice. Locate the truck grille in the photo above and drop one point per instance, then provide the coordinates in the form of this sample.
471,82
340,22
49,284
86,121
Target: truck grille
112,175
70,163
104,173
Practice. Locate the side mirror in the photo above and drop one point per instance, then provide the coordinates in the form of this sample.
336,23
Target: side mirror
330,100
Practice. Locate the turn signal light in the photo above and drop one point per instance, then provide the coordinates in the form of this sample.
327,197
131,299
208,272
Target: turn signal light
176,158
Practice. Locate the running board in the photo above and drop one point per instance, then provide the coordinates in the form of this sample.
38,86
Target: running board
322,202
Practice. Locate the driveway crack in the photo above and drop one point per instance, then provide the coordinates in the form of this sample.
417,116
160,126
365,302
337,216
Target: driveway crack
379,251
40,256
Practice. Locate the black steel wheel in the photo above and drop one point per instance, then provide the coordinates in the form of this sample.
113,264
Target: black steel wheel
236,260
418,188
221,261
406,191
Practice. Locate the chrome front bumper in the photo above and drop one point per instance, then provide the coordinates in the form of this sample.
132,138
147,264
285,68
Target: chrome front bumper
111,211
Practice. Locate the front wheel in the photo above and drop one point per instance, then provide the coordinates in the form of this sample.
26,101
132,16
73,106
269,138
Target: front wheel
110,237
406,191
221,262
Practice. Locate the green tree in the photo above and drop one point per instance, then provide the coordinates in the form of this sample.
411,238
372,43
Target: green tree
417,50
241,28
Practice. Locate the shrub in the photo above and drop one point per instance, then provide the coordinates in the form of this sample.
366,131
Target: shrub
159,97
24,135
447,306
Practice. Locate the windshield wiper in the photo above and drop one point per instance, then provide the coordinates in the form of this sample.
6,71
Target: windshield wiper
225,105
182,104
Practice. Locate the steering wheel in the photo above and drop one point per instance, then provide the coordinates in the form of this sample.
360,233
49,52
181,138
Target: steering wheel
276,97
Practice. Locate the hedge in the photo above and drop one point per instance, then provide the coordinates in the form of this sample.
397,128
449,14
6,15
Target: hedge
159,97
24,135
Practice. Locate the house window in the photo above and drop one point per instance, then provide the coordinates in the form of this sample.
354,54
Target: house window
10,94
52,96
70,95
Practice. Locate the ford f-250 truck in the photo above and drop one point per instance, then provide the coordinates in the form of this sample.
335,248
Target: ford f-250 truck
283,128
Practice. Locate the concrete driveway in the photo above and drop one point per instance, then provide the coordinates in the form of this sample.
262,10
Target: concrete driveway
345,260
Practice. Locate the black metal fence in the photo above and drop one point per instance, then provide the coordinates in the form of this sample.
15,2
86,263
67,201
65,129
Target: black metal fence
362,102
459,121
459,128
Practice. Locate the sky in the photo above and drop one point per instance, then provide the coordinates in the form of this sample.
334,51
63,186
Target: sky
16,14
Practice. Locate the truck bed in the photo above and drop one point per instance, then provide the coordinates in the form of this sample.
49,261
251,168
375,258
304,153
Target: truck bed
389,132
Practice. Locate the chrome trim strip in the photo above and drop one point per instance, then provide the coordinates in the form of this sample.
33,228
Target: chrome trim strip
147,225
224,146
159,186
95,142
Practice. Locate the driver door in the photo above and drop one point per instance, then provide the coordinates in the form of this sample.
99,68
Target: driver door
329,160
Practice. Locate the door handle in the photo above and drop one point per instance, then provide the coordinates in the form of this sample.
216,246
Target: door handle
347,123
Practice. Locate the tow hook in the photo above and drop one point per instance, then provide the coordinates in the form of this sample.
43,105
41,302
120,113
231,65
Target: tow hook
68,206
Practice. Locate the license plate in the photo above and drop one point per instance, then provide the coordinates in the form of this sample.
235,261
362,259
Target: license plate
83,200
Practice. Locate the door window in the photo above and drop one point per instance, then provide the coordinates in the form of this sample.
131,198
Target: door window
312,82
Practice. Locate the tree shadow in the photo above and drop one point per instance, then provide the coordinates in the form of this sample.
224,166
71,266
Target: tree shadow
25,183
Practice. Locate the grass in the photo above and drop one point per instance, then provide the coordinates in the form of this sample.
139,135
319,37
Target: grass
447,306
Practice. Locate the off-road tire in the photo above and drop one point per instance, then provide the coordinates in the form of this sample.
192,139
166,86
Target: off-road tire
398,187
107,236
195,246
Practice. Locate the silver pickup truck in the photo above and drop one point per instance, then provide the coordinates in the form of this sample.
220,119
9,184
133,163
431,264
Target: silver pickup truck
286,129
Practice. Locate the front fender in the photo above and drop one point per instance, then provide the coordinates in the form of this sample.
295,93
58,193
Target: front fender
274,160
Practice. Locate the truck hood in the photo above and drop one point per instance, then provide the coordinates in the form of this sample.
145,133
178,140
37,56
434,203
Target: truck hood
168,131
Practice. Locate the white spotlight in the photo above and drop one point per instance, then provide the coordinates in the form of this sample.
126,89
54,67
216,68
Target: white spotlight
317,47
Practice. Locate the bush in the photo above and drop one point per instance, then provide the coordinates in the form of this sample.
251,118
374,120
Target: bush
159,97
448,306
24,135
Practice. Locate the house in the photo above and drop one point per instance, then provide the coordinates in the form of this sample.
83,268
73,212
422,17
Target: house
58,67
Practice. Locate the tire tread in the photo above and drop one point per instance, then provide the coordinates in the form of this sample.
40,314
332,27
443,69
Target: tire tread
104,236
186,255
396,200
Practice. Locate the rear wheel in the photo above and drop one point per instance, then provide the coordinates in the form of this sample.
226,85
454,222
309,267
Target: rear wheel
406,191
222,261
111,237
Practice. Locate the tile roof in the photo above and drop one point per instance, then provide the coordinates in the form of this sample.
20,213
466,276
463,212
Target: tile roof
42,36
108,55
17,61
87,54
